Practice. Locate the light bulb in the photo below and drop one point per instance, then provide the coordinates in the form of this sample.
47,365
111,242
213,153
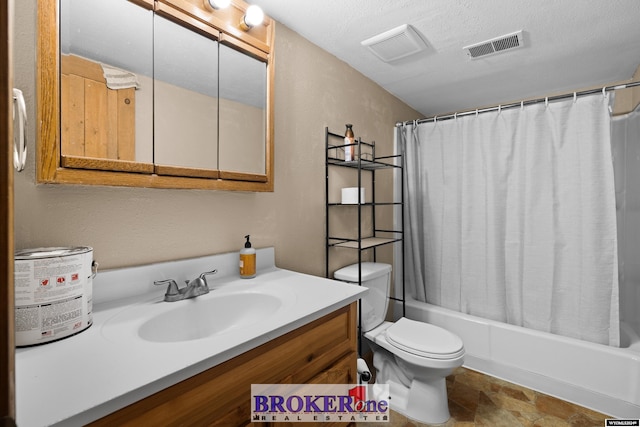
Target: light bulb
254,16
219,4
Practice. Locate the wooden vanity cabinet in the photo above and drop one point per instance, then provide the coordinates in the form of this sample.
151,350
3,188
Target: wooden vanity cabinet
322,352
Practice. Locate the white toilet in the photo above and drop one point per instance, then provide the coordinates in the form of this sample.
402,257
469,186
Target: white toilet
412,357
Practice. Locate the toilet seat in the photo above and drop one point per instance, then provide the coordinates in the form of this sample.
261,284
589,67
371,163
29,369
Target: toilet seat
424,340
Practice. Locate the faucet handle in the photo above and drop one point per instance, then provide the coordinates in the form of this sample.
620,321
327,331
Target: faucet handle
172,288
201,282
204,275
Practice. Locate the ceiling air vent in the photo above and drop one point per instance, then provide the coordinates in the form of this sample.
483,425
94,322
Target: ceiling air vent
496,45
396,43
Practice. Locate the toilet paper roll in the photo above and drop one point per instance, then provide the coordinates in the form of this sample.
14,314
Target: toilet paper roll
350,195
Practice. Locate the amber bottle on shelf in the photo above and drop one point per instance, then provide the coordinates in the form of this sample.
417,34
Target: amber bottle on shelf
349,140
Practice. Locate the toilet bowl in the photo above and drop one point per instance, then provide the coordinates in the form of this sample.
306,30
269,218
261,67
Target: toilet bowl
412,357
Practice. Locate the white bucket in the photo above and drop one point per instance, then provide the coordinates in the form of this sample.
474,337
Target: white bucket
53,293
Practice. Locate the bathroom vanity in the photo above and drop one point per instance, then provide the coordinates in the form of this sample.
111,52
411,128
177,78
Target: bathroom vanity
139,364
321,352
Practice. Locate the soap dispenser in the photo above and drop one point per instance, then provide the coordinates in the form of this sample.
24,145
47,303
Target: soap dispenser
247,260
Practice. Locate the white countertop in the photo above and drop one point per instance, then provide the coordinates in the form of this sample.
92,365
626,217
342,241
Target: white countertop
108,366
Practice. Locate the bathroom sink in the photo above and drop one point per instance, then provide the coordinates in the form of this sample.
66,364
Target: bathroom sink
200,318
206,316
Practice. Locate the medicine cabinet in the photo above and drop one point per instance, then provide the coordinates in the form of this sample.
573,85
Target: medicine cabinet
164,93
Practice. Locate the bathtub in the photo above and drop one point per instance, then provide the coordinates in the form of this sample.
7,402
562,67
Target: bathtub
596,376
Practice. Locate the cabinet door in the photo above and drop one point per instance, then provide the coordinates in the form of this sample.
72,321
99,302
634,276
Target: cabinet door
105,85
243,113
185,99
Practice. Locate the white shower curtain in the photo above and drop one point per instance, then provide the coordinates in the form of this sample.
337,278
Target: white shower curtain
510,215
625,138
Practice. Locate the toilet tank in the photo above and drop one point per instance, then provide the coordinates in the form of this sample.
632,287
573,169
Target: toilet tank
377,277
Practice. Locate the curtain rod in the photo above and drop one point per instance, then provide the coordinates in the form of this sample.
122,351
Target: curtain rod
520,104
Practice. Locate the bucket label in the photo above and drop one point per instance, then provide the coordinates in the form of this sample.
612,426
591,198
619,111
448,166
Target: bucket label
55,278
53,297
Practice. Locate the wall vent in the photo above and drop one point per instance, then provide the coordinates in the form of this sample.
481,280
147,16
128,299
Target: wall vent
495,45
396,43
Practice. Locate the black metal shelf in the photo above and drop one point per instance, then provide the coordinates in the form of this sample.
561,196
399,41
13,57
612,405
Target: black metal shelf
373,238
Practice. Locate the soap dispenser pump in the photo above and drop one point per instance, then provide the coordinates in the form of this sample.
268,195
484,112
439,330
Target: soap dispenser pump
247,260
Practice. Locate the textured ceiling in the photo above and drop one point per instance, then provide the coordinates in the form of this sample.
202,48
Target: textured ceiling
569,45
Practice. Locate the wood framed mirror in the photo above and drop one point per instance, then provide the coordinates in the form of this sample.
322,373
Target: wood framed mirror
183,100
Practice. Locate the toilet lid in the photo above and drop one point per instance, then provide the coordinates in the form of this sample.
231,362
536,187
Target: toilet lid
424,340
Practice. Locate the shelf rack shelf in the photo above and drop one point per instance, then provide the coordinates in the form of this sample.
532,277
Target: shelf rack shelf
364,243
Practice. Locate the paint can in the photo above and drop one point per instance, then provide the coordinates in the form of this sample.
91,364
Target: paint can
53,293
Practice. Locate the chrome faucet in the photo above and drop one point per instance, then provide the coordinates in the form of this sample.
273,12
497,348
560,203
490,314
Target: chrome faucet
193,288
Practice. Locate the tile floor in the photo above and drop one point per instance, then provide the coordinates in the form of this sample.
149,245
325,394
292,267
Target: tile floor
476,399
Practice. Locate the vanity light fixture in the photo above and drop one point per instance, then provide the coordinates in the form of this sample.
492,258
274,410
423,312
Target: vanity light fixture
252,17
219,4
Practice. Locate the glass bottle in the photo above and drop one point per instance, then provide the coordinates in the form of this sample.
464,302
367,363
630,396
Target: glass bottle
349,140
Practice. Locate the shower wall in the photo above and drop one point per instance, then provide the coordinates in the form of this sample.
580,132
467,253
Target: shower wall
626,161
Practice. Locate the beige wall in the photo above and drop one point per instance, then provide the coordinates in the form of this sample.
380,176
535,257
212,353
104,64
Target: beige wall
185,134
628,99
131,226
188,120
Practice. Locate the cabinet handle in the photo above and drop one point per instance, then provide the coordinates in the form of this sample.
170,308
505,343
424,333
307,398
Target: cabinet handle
19,134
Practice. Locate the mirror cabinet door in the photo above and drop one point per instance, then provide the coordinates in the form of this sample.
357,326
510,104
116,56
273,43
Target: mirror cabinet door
185,101
243,118
169,91
106,90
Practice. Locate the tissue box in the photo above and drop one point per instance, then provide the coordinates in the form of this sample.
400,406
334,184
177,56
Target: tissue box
350,195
